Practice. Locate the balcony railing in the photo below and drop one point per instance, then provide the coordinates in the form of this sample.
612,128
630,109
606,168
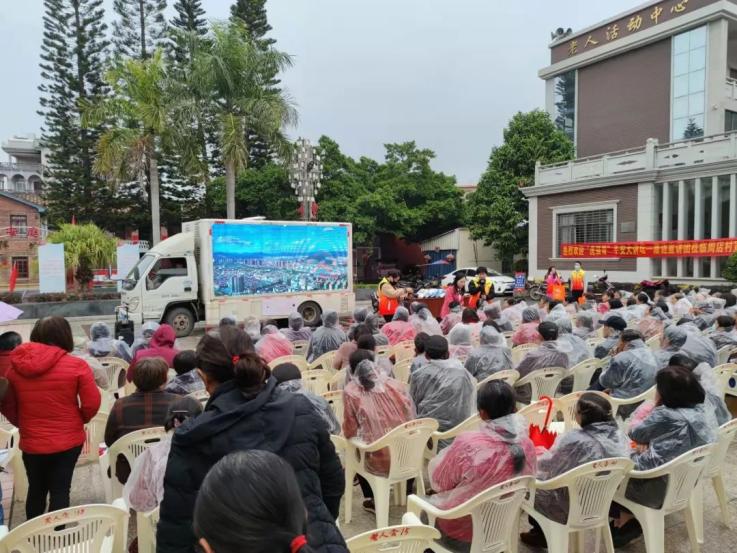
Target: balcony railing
652,157
6,167
730,88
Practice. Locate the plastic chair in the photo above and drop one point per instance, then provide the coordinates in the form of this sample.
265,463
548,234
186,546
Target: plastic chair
510,377
725,353
508,338
519,352
431,448
494,513
335,400
325,361
406,445
567,406
683,475
543,382
402,370
5,424
129,446
406,538
146,529
654,342
316,381
404,350
582,373
591,488
98,528
536,412
301,347
593,342
383,351
116,369
724,373
337,381
94,436
618,402
297,360
9,440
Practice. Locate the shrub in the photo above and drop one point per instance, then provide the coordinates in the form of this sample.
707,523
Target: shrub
729,271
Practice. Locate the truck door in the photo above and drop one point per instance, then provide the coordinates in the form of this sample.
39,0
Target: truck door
168,281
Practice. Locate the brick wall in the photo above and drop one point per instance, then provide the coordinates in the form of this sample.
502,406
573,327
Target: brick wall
626,196
18,246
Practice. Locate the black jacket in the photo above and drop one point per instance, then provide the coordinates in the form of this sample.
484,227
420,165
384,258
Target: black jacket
274,420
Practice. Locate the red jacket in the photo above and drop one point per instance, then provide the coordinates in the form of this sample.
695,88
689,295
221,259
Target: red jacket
51,396
162,345
4,362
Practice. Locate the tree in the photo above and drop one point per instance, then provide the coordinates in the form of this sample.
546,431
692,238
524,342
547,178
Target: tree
140,28
86,247
72,56
497,211
729,271
692,130
231,71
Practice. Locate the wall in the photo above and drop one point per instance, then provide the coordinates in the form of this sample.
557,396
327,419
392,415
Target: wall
626,196
473,253
17,246
624,100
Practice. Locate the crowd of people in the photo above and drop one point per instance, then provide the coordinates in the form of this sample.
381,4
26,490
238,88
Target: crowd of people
254,468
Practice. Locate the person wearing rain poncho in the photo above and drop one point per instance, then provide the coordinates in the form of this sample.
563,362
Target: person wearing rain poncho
297,330
343,353
546,356
678,424
598,437
399,329
494,313
423,321
653,322
513,309
527,332
631,371
725,333
326,338
574,347
273,344
491,356
374,322
420,360
451,319
373,405
584,325
460,341
102,344
147,332
290,379
706,311
613,327
443,390
359,317
693,344
476,460
557,312
252,327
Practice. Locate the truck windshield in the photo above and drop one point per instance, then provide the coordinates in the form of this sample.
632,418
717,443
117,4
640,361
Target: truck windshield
129,283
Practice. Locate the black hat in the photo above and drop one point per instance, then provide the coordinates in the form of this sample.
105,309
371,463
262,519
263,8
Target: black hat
615,322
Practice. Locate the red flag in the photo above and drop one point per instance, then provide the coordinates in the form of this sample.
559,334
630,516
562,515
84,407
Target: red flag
13,278
74,220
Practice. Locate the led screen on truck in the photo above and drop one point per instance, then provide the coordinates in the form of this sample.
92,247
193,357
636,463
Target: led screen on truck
259,259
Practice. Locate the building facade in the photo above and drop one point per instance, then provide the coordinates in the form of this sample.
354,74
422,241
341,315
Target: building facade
22,230
649,98
23,173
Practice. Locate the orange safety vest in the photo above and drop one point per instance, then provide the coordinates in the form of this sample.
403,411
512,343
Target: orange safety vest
387,305
473,300
577,279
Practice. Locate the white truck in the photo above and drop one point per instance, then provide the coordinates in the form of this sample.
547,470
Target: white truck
242,268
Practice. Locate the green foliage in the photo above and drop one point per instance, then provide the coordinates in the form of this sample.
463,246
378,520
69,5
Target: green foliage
729,271
86,247
140,27
402,196
497,211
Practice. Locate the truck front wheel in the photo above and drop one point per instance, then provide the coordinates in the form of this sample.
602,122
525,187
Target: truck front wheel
181,320
310,312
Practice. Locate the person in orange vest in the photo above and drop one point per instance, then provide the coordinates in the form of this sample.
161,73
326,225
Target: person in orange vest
480,288
390,295
578,281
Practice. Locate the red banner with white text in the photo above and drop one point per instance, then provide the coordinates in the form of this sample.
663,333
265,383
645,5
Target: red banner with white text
666,248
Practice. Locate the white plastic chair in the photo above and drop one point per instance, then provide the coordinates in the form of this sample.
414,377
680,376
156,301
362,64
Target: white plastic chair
316,381
683,475
406,445
9,440
724,372
582,373
335,400
96,528
591,488
325,361
494,513
510,377
654,342
5,424
543,382
337,381
116,369
404,350
402,370
593,342
383,351
94,436
298,360
301,347
519,352
617,402
567,406
406,538
146,529
725,353
129,446
537,411
431,448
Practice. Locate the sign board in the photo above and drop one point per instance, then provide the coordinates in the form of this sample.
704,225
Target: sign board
51,269
128,256
520,279
718,247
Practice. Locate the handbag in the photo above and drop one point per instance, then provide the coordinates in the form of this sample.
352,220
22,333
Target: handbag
559,292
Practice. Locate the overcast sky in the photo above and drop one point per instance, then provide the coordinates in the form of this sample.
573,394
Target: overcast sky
445,73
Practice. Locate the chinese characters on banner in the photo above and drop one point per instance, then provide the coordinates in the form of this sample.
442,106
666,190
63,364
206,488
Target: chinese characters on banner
639,21
670,248
32,233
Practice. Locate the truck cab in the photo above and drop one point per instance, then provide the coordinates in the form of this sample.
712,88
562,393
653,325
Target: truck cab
163,285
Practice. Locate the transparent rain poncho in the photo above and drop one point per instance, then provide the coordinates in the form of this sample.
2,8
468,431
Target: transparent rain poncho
599,440
494,313
680,307
604,348
443,390
373,321
451,320
374,404
147,332
359,317
527,332
584,325
700,349
722,338
573,346
650,326
322,407
630,372
460,341
273,344
513,313
144,488
546,356
103,344
326,338
707,312
558,312
297,330
252,327
423,321
399,329
476,460
491,356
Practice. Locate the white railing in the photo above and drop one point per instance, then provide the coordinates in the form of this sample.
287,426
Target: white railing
654,156
21,168
730,88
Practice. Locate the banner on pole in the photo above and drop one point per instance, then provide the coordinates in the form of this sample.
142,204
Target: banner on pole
717,247
52,273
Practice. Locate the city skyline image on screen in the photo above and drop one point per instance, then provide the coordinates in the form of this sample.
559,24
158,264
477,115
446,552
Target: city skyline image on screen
260,259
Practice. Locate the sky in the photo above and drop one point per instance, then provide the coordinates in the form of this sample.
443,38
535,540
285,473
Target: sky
448,74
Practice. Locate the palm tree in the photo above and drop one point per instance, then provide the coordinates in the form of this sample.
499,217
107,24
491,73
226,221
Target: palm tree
234,73
137,112
86,247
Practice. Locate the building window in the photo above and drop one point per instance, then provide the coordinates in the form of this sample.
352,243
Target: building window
585,227
730,121
21,265
18,225
688,84
565,104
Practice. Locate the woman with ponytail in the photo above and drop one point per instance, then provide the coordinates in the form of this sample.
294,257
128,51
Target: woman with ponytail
499,450
246,411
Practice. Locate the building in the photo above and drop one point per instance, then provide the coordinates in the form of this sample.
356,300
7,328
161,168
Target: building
23,173
458,250
649,98
22,228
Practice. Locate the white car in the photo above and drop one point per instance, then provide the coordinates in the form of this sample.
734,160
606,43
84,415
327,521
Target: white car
502,283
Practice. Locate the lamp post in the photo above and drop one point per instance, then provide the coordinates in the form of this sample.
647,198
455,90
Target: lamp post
305,174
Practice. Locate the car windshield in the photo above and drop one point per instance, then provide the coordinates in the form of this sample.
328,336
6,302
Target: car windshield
129,283
494,273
